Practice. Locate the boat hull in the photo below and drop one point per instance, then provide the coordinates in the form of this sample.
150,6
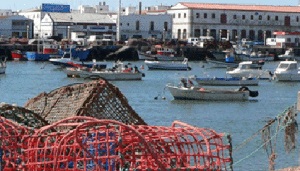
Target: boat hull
2,70
167,65
287,77
144,56
17,56
243,57
208,94
67,62
35,56
112,76
226,81
220,64
251,73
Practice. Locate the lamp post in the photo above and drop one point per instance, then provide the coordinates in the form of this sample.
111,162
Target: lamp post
118,21
27,31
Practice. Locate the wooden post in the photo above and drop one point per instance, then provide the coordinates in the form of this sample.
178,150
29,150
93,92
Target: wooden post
298,102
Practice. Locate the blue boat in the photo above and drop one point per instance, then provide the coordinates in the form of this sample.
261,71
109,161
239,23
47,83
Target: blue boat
76,53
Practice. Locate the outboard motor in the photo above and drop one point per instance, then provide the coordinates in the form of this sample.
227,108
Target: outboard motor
251,93
184,82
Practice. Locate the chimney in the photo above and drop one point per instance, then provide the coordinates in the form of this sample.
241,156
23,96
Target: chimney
100,3
104,3
140,8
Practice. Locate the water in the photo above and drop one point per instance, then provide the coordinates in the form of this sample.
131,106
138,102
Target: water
26,79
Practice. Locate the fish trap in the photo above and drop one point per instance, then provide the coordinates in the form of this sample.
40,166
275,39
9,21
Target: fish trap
92,144
98,99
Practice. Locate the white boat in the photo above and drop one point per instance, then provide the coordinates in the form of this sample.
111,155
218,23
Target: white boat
225,81
117,73
2,65
289,54
68,60
221,64
287,71
245,70
168,65
200,93
246,53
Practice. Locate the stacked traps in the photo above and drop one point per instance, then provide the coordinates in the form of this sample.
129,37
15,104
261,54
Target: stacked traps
85,143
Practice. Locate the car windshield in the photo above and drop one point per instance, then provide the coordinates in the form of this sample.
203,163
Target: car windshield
283,66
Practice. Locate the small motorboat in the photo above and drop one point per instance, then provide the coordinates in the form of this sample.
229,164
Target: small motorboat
183,91
246,70
68,60
118,73
287,71
168,65
17,55
225,81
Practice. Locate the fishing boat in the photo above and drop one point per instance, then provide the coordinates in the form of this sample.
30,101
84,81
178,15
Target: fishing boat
119,72
2,65
185,92
68,60
225,81
162,54
221,64
245,70
17,55
168,65
287,71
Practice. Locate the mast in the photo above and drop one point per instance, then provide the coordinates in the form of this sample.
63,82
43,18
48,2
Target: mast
118,21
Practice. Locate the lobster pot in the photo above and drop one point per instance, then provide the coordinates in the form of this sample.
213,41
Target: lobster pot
111,145
98,99
12,144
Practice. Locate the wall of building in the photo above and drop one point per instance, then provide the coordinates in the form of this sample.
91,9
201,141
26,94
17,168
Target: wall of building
128,26
190,20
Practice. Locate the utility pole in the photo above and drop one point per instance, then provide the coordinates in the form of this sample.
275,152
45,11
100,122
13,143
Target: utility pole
118,22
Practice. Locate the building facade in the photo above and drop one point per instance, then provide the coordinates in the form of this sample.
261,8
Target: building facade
62,24
232,22
16,26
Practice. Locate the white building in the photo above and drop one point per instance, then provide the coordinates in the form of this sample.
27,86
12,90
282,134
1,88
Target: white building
36,15
62,24
6,12
16,26
254,22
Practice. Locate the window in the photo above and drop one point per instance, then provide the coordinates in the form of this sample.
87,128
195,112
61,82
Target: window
127,24
197,15
184,15
137,25
297,19
243,17
110,27
173,15
179,15
120,24
84,27
251,17
205,15
184,34
152,25
260,17
276,18
234,16
288,39
269,17
166,26
213,15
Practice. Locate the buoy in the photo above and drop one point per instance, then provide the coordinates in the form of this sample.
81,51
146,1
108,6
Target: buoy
164,98
41,68
155,98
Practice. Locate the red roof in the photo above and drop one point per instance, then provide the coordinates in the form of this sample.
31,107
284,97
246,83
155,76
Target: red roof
295,9
285,33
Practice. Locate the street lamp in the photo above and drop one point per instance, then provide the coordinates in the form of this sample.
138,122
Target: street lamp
27,31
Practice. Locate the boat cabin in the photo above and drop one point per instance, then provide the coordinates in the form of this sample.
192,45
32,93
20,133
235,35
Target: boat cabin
287,66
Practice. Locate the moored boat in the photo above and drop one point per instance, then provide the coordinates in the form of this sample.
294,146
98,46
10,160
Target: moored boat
168,65
17,55
289,54
119,72
201,93
225,81
245,70
287,71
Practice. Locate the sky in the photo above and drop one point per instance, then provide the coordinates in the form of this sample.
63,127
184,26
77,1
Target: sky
113,4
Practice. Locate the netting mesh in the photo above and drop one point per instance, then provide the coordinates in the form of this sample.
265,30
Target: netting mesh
98,99
92,144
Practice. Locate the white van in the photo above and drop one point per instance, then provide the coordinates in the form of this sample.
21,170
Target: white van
193,40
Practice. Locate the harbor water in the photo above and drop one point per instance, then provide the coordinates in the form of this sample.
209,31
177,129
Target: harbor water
241,119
